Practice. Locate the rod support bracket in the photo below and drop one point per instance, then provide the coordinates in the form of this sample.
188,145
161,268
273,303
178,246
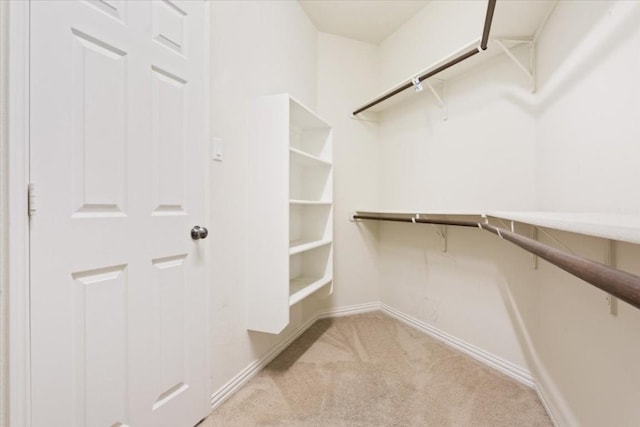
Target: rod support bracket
441,230
439,98
610,259
534,257
528,70
417,84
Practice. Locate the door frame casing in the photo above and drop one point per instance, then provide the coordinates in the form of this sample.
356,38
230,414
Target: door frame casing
16,259
15,173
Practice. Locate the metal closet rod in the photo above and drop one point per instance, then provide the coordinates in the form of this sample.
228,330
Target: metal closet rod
618,283
491,5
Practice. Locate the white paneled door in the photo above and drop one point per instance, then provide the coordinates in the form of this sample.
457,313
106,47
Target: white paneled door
118,292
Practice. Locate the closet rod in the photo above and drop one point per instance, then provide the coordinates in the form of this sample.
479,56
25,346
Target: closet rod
491,5
488,19
621,284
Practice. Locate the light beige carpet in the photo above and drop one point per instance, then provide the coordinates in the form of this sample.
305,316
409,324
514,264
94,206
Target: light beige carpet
372,370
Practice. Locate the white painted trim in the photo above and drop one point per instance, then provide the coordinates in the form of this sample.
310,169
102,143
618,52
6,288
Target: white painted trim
495,362
517,373
553,405
552,399
507,368
227,390
350,310
546,403
4,211
18,233
207,202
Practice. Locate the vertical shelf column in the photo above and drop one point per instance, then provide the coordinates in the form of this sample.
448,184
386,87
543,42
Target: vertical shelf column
291,187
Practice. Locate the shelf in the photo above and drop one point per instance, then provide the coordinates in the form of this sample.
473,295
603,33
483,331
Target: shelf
448,74
622,227
299,246
309,203
303,118
302,287
413,212
306,159
513,23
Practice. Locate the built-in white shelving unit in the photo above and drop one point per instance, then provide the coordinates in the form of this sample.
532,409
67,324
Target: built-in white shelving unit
290,210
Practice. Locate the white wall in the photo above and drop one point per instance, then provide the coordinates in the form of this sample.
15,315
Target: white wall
589,108
346,74
480,158
588,123
572,146
466,292
257,48
440,28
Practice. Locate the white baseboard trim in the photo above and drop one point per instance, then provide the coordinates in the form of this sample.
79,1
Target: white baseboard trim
227,390
493,361
350,310
554,403
546,403
507,368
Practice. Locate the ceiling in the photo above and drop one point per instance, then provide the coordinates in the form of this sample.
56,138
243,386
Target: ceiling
373,21
367,21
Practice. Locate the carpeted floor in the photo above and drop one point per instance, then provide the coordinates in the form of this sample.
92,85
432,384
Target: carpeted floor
372,370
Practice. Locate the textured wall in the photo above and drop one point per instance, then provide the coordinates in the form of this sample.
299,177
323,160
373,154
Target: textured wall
257,48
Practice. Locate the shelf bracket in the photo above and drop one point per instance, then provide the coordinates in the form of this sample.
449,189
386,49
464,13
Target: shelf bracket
534,257
440,229
530,70
439,98
534,236
555,239
610,252
442,232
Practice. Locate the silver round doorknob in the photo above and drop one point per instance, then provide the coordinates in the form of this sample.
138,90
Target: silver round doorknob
198,232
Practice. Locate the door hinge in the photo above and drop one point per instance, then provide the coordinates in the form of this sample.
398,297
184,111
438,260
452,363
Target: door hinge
31,199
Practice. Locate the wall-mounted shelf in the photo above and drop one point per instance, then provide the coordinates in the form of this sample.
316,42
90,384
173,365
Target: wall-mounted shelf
530,18
621,227
493,50
291,191
423,212
616,283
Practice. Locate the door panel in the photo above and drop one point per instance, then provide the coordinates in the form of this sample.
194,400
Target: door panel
168,142
100,353
118,292
98,117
